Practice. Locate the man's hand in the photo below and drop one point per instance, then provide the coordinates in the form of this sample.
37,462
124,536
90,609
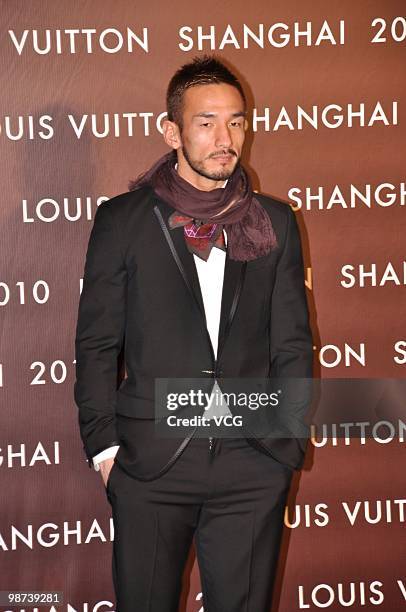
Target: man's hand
105,467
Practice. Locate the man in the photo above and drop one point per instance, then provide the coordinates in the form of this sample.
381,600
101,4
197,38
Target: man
196,277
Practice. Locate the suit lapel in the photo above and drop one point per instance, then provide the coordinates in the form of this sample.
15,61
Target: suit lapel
234,273
186,258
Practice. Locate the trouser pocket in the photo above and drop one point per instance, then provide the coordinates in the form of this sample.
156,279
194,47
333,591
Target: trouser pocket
109,479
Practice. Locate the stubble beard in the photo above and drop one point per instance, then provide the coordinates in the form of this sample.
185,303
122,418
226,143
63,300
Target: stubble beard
199,168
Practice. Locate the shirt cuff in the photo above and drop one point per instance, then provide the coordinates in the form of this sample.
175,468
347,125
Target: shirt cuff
106,454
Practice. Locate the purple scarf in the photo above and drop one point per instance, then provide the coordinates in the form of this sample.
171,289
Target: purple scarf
249,229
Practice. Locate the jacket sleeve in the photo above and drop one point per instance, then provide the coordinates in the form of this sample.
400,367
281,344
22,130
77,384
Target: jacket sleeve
291,342
100,334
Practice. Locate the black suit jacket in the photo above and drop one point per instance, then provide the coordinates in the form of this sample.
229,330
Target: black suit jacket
141,292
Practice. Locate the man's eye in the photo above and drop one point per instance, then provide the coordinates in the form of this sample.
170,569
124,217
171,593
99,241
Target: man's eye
236,123
205,124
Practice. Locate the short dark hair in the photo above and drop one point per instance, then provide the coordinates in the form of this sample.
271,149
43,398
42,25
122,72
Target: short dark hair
203,70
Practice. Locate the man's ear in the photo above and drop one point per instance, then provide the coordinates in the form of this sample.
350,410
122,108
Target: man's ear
171,134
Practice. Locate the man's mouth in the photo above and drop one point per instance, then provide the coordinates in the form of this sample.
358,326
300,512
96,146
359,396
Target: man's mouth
223,157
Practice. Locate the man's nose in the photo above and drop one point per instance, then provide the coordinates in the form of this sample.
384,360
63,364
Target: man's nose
223,137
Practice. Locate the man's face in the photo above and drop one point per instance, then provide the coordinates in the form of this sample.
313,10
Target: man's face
212,135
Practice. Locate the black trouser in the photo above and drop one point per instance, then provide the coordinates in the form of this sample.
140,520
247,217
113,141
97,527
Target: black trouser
231,500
